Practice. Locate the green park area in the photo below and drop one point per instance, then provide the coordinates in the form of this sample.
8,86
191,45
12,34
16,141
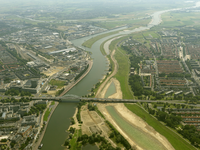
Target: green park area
58,83
48,111
171,135
46,115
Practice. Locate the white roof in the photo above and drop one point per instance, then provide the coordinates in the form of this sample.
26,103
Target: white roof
64,50
4,137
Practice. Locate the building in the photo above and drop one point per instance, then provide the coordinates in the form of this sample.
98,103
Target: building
24,131
32,86
64,50
16,85
41,102
178,93
29,120
169,92
188,93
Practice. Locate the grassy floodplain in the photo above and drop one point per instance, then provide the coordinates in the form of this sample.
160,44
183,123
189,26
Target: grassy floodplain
123,69
91,41
140,137
131,22
176,141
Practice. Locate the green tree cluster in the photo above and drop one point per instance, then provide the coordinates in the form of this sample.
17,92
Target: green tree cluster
191,133
136,84
78,116
36,109
81,73
104,144
170,119
15,92
118,137
91,107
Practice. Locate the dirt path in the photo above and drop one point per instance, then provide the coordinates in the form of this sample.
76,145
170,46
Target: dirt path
135,121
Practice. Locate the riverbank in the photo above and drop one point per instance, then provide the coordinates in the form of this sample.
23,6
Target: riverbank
36,144
98,94
134,121
79,79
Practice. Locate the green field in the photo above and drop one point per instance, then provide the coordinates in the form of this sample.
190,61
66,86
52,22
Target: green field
91,41
115,24
177,142
58,83
46,115
53,102
172,19
152,33
73,141
123,69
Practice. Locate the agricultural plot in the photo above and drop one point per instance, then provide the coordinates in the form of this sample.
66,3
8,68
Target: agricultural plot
173,19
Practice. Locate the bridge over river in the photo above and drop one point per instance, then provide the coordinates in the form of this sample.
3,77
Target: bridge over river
76,99
70,98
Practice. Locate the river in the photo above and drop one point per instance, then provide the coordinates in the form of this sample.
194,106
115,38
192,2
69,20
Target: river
55,134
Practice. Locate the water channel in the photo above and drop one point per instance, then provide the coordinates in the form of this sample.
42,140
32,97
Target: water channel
55,134
111,90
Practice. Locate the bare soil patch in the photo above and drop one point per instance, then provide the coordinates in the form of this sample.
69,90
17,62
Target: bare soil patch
96,117
87,120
